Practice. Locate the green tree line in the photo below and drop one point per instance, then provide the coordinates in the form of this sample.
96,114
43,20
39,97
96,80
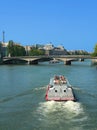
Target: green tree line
17,50
36,52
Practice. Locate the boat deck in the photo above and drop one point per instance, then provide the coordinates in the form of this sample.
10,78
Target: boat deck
60,92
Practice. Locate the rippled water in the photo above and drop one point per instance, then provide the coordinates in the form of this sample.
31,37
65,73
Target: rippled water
22,102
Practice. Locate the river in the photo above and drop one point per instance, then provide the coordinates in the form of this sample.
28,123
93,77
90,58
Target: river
22,102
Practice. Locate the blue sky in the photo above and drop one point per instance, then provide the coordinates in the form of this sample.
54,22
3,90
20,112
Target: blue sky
71,23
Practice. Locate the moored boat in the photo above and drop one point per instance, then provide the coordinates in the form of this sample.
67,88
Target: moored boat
59,89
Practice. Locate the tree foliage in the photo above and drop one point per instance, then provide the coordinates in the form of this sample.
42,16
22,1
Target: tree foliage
10,48
15,50
36,52
19,50
95,50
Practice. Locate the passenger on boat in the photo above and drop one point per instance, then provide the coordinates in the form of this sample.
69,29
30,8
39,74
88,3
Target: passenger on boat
56,80
63,79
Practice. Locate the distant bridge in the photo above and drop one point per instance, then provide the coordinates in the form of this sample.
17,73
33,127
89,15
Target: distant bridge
67,59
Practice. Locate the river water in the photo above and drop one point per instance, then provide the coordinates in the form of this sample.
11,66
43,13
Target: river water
22,102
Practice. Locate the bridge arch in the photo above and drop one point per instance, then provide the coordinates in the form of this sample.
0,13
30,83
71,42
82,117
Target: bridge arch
67,61
25,60
14,61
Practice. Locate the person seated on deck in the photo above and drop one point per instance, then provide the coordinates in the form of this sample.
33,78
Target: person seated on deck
56,80
63,80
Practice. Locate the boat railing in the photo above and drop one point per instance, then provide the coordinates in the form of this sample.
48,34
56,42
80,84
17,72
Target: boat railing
59,82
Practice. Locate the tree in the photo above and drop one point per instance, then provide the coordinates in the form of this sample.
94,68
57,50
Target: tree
10,48
36,52
15,50
95,50
19,50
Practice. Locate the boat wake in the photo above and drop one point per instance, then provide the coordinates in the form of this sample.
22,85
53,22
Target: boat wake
52,114
40,88
68,109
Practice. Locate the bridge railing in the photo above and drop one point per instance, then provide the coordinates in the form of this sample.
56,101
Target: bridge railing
55,56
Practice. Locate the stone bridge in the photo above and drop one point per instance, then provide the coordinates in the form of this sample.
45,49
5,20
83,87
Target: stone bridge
67,59
25,59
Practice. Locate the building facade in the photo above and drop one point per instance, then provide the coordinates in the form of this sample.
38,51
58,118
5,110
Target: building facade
4,49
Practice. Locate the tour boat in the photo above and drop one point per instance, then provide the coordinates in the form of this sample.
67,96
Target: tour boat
59,89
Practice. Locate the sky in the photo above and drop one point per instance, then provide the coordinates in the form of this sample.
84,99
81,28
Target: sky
70,23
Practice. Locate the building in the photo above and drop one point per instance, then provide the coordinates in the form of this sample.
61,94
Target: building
78,52
48,47
4,49
58,51
27,49
51,50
